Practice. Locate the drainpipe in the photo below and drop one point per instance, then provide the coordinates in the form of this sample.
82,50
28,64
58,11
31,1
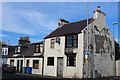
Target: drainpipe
43,57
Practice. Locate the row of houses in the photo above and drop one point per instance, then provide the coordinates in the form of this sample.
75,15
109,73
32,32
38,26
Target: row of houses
82,49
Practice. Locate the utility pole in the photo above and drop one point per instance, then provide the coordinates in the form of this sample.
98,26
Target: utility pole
87,49
8,43
114,48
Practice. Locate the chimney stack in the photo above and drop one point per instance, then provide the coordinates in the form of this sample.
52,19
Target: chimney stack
62,22
23,41
99,14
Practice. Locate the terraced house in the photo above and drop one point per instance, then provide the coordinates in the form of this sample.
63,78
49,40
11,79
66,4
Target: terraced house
75,49
26,54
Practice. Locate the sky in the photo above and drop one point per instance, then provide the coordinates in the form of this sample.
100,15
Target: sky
38,19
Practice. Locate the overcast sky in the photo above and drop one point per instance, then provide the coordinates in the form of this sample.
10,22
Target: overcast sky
38,19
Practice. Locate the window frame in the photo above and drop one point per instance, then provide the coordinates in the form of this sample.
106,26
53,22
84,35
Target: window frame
39,48
68,59
12,60
73,39
34,64
52,43
50,63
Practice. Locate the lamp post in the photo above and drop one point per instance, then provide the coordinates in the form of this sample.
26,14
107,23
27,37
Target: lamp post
114,48
113,28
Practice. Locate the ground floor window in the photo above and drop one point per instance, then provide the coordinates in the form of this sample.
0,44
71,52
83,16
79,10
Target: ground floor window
35,64
50,61
12,62
71,60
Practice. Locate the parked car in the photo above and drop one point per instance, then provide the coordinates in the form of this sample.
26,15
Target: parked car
8,68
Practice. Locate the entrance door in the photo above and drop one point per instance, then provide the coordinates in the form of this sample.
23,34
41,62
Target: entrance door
17,65
60,66
21,65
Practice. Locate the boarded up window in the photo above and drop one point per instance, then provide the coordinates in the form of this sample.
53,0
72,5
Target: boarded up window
35,64
38,48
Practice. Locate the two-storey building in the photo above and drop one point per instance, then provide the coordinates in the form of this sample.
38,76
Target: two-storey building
82,49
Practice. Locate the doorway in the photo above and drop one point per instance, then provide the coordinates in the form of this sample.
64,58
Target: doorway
60,66
21,65
17,65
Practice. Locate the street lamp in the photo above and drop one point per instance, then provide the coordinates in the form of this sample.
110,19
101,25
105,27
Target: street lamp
114,48
113,27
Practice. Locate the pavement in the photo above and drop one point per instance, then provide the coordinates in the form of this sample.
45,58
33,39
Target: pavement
22,76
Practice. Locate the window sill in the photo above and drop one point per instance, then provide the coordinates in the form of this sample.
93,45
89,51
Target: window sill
35,68
71,66
50,65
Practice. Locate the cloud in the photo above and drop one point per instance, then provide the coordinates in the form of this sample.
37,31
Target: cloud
39,19
17,29
12,22
2,35
35,40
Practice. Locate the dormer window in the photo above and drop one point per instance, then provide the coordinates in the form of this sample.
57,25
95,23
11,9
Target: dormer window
38,48
17,49
71,41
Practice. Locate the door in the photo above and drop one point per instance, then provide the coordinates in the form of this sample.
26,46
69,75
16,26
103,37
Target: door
17,65
60,66
21,65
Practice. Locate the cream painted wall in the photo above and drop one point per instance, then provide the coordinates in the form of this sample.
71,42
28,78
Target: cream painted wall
59,51
34,71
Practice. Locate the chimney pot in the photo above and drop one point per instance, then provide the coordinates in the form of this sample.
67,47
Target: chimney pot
98,7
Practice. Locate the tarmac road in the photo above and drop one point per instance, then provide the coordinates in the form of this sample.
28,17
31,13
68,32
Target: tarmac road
21,76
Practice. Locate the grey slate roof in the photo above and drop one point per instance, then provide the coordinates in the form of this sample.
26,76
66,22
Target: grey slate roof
26,51
74,27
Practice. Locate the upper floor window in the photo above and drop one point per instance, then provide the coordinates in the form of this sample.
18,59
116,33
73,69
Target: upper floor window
71,41
38,48
52,45
17,49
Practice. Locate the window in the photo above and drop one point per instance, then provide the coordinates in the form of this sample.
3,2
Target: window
72,41
50,61
35,64
2,51
38,48
27,63
12,62
71,60
52,43
17,49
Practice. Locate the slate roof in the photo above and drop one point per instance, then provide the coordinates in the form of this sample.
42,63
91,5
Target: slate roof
75,27
28,51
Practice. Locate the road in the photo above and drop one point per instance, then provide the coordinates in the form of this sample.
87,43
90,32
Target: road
20,76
